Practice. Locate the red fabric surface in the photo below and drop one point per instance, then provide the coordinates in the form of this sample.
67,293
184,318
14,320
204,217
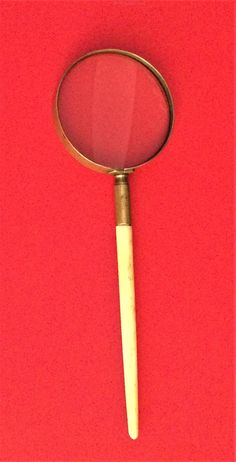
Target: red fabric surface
61,367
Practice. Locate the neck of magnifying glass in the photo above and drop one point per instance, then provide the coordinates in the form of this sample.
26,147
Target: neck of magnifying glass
122,199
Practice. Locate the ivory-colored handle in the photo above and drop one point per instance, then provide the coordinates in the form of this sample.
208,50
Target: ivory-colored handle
128,324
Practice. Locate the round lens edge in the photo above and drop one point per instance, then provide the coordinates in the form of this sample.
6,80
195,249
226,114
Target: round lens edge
79,155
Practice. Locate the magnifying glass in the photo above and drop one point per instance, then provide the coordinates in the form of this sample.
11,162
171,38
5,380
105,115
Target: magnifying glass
114,113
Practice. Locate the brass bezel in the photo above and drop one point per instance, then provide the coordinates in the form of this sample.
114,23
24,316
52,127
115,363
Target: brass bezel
79,155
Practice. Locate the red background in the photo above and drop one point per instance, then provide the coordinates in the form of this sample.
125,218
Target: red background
62,383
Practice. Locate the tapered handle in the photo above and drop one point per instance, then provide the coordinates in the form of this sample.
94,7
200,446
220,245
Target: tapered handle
128,324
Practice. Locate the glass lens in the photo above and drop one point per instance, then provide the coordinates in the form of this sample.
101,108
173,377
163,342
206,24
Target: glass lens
113,110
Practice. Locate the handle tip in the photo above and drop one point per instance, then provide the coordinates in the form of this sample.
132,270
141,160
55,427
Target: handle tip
133,434
133,429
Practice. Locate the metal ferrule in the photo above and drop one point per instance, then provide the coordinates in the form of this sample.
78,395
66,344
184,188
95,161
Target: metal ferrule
122,200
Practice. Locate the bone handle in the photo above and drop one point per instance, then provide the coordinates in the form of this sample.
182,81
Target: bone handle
128,324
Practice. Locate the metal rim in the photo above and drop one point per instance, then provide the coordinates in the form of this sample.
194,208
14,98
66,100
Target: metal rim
79,155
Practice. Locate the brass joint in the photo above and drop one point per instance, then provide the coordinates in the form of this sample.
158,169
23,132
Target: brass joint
122,199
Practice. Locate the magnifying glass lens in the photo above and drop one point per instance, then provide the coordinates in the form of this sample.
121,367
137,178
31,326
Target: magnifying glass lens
113,110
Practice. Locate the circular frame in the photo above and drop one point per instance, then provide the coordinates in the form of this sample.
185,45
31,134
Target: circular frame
79,155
